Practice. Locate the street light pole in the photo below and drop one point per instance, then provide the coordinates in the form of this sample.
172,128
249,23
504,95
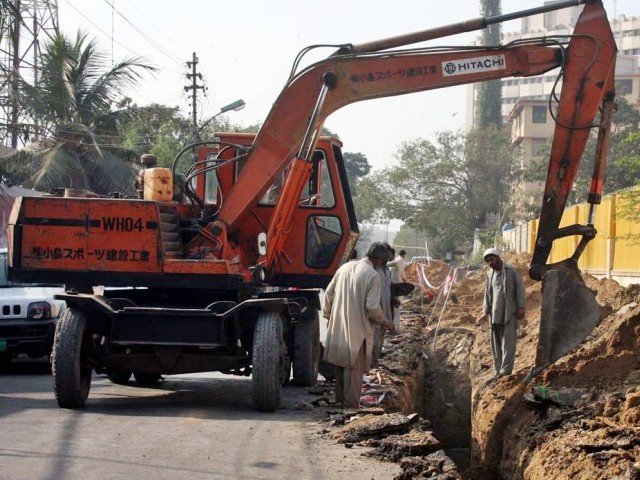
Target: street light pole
235,106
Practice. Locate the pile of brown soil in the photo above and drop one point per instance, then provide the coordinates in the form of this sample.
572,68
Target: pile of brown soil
594,438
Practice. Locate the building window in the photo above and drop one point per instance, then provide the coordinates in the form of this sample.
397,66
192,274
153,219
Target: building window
624,87
539,114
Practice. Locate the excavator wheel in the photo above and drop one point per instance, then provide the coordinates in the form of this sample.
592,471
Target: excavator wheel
70,368
268,361
306,350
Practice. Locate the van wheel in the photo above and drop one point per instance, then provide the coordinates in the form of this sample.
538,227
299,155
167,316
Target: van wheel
306,349
5,360
146,379
268,361
69,359
119,376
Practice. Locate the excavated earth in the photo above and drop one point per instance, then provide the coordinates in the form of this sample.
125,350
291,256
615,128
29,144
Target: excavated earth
469,425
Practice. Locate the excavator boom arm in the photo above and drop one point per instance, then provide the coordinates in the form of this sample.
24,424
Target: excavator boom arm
587,63
364,77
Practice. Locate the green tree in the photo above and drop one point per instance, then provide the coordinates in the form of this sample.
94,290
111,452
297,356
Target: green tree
357,167
489,99
630,161
445,188
72,101
156,129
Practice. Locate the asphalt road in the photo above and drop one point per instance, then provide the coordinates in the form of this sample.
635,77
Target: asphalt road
199,426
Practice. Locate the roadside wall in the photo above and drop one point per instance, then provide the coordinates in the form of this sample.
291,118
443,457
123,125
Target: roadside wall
614,253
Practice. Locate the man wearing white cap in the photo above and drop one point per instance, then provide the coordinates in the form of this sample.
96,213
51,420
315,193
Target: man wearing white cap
504,304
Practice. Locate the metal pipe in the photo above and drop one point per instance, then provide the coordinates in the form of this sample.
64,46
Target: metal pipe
435,334
592,214
435,305
452,29
329,80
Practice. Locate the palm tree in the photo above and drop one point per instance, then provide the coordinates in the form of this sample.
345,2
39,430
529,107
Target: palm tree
72,106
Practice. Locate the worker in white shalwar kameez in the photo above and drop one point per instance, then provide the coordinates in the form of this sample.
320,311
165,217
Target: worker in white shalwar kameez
352,305
504,303
398,275
387,309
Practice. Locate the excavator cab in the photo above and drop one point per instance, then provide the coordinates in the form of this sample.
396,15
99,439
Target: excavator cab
324,222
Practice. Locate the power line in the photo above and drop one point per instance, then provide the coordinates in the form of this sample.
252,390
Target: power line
101,30
153,43
163,32
107,35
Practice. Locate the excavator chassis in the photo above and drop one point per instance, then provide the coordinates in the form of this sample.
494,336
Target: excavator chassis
262,336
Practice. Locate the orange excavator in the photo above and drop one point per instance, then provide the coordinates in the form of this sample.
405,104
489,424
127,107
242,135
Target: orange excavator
221,271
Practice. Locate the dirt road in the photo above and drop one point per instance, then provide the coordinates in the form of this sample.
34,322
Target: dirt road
190,427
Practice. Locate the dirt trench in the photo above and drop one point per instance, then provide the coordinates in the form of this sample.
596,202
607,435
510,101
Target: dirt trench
446,399
486,425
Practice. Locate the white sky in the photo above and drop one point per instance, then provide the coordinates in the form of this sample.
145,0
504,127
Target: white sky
246,49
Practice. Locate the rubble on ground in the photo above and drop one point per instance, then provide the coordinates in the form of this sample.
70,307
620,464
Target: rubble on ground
367,426
436,466
413,444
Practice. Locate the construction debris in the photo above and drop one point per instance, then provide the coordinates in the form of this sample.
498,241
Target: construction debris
368,426
436,466
414,443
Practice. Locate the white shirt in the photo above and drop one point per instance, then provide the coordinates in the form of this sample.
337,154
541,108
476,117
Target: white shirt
398,272
352,305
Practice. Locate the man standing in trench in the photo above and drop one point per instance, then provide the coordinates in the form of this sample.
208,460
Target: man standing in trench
504,303
399,275
352,305
385,305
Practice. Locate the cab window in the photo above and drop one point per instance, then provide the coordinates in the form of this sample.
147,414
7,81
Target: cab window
324,233
317,193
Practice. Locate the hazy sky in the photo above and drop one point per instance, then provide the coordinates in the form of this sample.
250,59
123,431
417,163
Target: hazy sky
246,49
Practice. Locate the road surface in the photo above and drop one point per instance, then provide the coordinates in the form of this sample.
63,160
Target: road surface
199,426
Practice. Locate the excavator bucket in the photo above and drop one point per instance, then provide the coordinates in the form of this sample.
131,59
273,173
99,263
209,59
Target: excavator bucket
569,313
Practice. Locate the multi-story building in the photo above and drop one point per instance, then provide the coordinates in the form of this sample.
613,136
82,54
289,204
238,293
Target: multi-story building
525,107
523,98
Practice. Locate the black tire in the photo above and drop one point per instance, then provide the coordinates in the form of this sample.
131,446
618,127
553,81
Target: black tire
119,376
146,379
5,361
71,372
286,369
268,361
306,349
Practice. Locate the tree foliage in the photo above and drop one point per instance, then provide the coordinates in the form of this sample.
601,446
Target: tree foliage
155,129
72,101
445,188
357,166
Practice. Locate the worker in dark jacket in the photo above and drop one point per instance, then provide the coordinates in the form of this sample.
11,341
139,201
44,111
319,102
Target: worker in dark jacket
504,304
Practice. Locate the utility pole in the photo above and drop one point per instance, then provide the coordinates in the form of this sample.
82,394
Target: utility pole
24,26
194,76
